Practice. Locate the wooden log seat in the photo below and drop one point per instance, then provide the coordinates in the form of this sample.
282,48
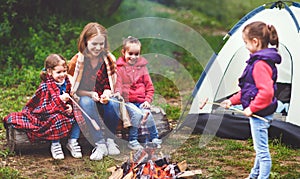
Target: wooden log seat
17,140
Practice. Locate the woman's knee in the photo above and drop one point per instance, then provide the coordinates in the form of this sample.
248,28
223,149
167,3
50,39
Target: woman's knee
86,101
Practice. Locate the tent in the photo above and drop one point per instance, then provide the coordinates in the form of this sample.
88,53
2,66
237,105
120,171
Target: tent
219,79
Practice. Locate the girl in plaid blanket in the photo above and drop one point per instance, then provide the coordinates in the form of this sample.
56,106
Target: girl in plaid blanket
48,114
94,58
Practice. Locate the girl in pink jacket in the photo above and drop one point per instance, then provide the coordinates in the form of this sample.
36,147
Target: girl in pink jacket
136,87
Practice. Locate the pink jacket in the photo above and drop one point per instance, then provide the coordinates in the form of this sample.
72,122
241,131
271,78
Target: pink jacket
134,82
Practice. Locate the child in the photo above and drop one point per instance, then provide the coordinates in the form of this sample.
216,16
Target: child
135,85
48,115
258,85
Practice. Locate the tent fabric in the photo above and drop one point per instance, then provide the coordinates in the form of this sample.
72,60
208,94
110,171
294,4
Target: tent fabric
220,78
238,127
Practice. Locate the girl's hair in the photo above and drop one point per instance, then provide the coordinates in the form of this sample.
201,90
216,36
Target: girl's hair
130,40
267,34
91,30
51,62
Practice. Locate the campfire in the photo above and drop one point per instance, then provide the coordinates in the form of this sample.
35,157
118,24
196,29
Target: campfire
145,164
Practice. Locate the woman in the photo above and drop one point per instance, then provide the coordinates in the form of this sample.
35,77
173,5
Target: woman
93,57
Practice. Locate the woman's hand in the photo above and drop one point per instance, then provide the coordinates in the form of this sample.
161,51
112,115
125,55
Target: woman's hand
145,105
104,99
105,96
117,95
94,95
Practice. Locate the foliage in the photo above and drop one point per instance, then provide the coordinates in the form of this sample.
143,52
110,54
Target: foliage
31,30
56,37
227,12
9,173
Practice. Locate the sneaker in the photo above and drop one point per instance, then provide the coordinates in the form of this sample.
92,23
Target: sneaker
157,142
75,149
135,145
98,152
57,152
112,147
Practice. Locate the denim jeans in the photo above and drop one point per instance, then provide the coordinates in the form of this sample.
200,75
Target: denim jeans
135,113
263,163
75,132
89,106
111,116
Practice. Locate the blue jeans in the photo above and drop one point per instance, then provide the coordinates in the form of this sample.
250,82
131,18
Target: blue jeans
89,106
74,134
111,116
263,163
135,113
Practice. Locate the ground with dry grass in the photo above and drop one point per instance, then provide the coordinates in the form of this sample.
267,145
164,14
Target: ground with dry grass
220,158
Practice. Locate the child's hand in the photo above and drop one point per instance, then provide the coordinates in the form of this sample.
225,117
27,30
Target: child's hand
94,95
226,104
69,110
145,105
64,97
248,112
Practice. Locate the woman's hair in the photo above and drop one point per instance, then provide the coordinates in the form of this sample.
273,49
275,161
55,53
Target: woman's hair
130,40
51,62
89,31
267,34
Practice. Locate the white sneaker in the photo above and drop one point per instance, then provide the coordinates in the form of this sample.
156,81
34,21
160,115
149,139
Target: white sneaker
98,152
57,152
75,149
157,142
112,147
135,145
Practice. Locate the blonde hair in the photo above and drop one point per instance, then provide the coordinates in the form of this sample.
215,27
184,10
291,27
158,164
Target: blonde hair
51,62
91,30
260,30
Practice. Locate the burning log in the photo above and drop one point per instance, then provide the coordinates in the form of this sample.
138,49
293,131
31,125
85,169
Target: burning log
145,164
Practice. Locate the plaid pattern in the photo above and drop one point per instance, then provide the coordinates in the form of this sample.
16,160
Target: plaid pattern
106,72
44,116
102,81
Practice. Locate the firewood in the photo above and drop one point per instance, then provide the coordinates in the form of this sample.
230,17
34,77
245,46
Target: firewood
190,173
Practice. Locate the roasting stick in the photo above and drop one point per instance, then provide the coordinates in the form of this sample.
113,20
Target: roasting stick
145,115
235,109
94,123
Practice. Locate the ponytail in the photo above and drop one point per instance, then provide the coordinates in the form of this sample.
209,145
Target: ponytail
273,37
266,33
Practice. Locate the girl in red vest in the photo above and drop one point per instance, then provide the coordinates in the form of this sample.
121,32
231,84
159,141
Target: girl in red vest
258,86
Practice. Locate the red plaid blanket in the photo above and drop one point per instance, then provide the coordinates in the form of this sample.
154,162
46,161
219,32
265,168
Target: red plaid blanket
44,116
